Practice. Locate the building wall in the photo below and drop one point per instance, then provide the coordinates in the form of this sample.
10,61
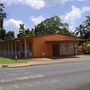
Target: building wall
20,43
39,47
42,49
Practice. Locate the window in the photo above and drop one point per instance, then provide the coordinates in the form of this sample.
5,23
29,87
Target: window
30,47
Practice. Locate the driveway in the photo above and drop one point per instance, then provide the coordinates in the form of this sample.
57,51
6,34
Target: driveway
77,58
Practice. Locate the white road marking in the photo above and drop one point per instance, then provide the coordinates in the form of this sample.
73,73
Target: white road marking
36,76
29,84
23,78
12,74
50,81
28,77
54,80
28,72
6,80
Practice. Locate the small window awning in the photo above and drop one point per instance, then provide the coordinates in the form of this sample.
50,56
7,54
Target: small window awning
50,41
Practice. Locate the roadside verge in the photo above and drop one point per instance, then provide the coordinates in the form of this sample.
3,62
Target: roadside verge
41,61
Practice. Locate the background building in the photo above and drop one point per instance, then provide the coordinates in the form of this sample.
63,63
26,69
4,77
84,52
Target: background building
57,45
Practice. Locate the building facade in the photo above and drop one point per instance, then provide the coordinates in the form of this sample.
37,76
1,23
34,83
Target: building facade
57,45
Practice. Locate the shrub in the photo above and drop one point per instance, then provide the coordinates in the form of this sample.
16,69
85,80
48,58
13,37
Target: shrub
88,50
80,48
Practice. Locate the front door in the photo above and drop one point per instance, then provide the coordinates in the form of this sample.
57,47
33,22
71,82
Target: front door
56,50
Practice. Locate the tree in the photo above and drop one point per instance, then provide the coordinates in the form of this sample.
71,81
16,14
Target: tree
80,30
21,31
87,35
2,15
72,33
25,33
64,31
87,27
32,32
50,26
29,33
20,35
87,23
10,35
2,34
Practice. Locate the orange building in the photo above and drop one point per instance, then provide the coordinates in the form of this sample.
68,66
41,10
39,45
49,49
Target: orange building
39,46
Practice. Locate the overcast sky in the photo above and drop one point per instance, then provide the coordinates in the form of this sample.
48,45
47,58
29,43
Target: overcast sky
32,12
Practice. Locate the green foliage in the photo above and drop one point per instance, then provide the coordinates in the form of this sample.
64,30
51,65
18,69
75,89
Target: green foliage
80,30
10,35
2,14
51,25
88,50
21,29
2,33
1,40
84,29
87,27
29,33
25,33
72,33
20,35
5,36
87,23
76,44
86,54
87,42
32,33
64,31
87,35
87,46
4,60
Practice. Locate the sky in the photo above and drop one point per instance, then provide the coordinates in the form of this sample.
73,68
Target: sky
32,12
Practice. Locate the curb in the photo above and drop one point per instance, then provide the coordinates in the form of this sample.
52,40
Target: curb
20,65
13,66
42,63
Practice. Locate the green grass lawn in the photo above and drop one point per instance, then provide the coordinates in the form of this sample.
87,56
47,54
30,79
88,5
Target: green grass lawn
86,54
11,61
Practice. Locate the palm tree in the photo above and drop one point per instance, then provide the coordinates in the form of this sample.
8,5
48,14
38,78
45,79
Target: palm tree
80,30
87,23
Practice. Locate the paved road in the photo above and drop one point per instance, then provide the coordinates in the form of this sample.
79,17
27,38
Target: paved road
65,76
